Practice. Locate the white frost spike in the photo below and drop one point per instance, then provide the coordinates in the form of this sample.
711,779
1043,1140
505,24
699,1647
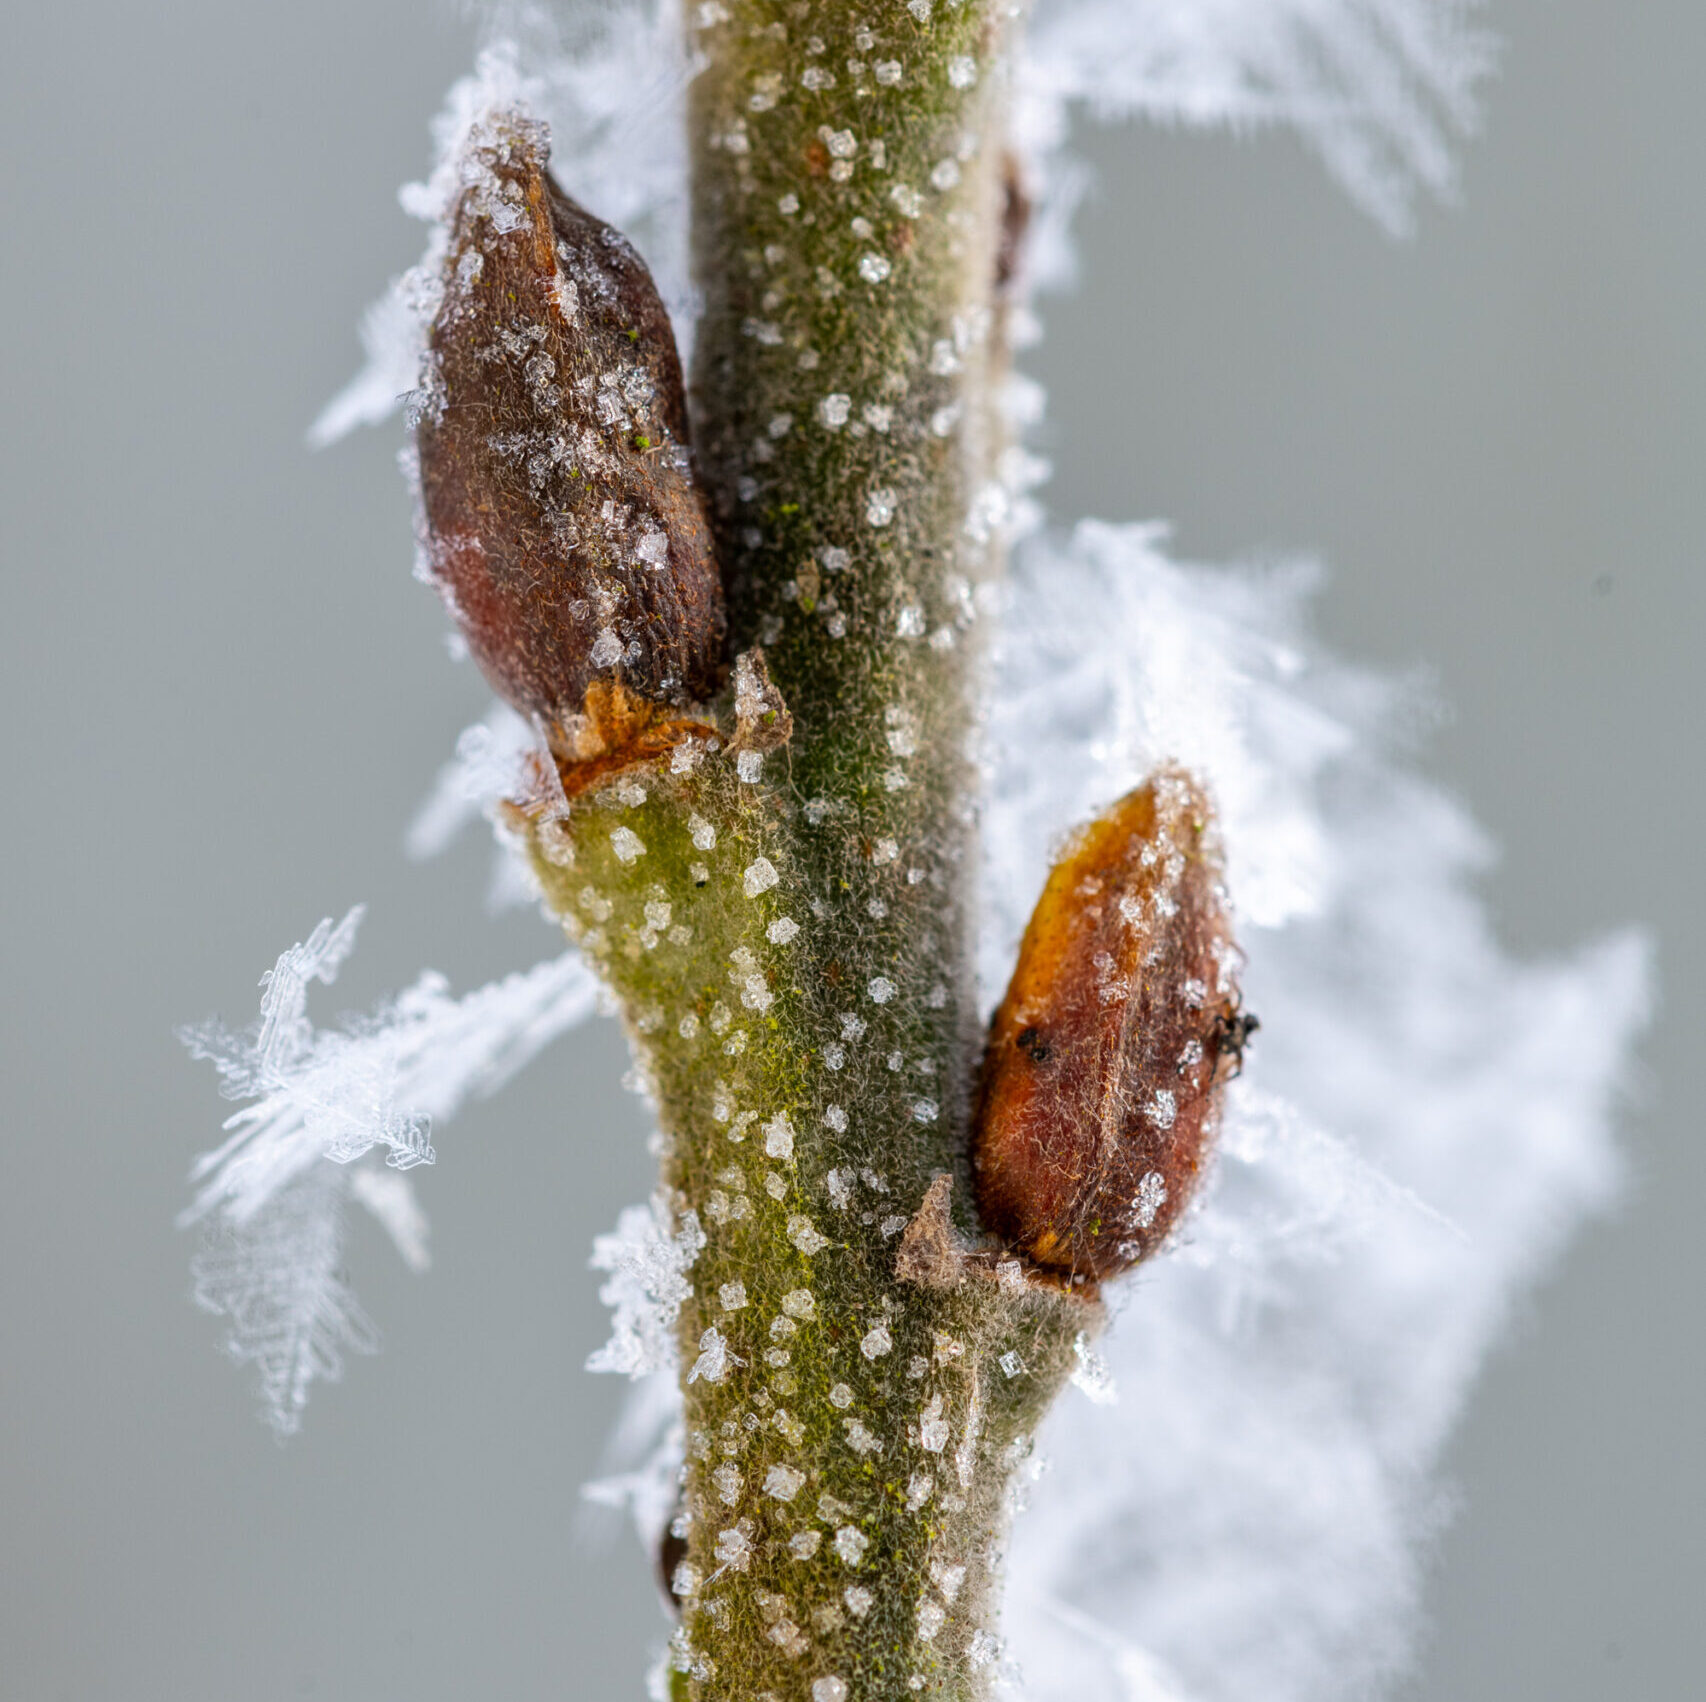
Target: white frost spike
648,1255
334,1094
1299,1362
278,1278
277,1187
390,1197
1382,89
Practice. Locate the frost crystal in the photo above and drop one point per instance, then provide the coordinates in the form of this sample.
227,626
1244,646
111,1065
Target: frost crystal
648,1255
712,1362
783,1483
274,1193
280,1283
779,1136
804,1234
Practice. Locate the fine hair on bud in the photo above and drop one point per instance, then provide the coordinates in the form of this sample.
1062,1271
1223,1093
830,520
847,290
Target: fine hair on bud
1100,1088
561,520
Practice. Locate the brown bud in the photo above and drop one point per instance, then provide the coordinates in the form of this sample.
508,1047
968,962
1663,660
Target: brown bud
1100,1087
563,525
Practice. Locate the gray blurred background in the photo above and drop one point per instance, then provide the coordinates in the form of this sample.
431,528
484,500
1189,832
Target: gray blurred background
222,698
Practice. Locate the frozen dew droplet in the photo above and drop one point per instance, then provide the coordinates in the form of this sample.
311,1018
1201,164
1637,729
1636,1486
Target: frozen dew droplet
783,1483
732,1295
782,931
1091,1375
874,268
703,834
799,1303
859,1600
829,1689
836,1118
779,1137
879,505
841,1396
1162,1109
627,844
850,1544
1011,1364
877,1342
962,71
760,877
931,1616
804,1544
834,409
749,765
947,1577
859,1437
728,1481
1151,1196
933,1427
804,1234
881,989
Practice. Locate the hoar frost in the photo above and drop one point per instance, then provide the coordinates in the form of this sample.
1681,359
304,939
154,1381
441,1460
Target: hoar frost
1423,1121
273,1196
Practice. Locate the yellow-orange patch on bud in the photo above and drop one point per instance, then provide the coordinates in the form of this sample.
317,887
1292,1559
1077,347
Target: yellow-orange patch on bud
1100,1090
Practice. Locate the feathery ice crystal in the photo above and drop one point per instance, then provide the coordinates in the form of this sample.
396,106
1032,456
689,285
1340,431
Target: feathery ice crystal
843,1382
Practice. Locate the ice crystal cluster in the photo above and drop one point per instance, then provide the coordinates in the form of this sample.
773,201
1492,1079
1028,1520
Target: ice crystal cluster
1232,1501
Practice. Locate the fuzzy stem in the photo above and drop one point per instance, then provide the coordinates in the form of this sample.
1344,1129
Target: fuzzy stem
789,934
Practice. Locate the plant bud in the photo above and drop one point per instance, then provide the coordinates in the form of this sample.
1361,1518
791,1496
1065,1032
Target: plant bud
563,526
1100,1088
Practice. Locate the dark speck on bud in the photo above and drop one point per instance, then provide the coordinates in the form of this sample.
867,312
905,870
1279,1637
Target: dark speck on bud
1100,1091
562,523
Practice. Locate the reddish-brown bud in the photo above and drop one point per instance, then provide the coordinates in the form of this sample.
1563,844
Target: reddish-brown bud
1100,1087
563,525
